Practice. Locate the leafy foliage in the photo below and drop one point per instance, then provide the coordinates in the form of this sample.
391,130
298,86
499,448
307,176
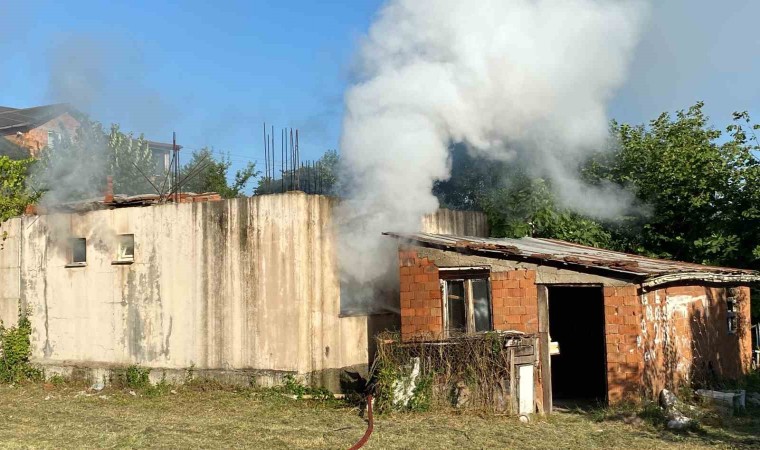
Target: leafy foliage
77,166
696,192
294,386
207,173
517,204
16,351
13,193
137,377
702,194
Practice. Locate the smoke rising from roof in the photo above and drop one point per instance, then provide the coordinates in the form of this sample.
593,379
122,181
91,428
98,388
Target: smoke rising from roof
108,79
521,80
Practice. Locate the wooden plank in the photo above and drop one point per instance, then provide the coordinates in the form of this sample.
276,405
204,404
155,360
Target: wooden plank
543,347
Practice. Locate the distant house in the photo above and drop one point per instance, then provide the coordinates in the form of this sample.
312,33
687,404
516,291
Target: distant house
162,156
25,132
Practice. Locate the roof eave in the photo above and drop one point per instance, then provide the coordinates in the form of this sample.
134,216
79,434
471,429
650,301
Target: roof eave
706,277
609,272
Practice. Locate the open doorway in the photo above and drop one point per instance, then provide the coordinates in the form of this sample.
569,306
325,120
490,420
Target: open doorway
576,323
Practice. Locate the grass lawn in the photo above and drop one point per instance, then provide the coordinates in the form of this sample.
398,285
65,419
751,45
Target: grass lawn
46,416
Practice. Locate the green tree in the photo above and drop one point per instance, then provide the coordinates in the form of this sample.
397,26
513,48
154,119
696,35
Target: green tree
14,195
701,193
516,204
130,163
207,173
76,167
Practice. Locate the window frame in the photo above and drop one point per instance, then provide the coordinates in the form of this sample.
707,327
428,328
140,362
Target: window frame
731,320
71,253
53,138
466,275
122,257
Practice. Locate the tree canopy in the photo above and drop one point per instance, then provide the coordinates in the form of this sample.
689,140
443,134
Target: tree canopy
207,173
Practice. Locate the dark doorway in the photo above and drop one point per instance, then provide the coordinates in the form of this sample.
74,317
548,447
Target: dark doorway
576,322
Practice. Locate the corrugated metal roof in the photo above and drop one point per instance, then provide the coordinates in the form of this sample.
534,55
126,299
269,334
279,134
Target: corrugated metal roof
580,257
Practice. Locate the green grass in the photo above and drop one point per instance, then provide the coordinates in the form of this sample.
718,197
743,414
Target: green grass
209,416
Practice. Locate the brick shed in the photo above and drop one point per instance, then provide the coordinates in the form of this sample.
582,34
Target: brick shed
611,326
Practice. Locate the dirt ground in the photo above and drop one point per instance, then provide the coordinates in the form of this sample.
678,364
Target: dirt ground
46,416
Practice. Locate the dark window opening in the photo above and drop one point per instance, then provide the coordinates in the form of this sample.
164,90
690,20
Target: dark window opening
481,302
455,304
466,300
576,324
731,314
77,251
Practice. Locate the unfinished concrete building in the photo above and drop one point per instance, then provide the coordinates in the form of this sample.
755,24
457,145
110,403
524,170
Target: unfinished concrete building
245,289
611,326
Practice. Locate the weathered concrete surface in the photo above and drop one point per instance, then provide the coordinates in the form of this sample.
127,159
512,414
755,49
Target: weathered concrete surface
246,284
459,223
10,270
245,288
684,335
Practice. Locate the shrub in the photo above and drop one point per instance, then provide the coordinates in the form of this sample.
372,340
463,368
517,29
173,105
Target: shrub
16,351
137,377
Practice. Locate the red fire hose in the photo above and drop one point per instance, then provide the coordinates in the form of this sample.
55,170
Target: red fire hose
370,425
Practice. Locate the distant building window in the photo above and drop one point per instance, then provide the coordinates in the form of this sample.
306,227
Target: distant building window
77,252
731,314
126,250
159,162
53,138
466,300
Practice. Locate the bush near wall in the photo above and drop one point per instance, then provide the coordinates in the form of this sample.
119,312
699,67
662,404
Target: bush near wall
16,351
467,371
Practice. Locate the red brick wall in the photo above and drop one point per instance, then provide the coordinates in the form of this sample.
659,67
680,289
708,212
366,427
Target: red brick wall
420,289
670,336
685,336
622,319
653,340
514,300
36,139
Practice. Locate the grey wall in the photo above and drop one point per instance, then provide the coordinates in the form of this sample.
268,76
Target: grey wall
459,223
244,285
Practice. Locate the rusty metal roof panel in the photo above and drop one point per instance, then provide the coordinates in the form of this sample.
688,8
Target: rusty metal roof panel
556,252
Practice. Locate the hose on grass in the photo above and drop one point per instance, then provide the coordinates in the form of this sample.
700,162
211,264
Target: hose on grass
370,425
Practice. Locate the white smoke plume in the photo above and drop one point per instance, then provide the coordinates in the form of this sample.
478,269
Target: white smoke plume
522,80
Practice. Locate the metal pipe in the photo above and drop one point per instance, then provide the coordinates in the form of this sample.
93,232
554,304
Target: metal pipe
266,155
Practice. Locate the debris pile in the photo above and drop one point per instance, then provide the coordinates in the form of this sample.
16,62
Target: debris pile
677,420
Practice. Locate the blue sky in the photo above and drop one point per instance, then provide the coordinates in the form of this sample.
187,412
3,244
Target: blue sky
214,71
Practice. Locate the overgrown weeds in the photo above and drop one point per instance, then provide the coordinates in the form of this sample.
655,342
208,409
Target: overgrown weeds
469,371
16,351
294,386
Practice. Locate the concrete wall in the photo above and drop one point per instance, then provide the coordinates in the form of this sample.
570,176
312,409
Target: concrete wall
245,284
10,270
238,288
459,223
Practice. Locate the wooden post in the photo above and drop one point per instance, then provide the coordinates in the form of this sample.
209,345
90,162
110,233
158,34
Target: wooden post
512,382
543,347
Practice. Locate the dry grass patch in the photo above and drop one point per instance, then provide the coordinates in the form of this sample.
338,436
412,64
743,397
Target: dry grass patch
36,416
